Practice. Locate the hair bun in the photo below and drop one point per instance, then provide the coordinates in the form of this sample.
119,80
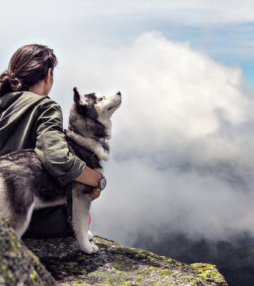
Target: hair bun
5,83
16,84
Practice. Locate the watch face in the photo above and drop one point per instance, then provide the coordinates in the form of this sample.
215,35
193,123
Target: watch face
103,183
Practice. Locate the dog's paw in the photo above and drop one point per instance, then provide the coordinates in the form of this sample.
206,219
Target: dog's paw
89,249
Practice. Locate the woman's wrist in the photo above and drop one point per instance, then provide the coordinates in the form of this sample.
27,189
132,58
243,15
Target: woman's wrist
89,177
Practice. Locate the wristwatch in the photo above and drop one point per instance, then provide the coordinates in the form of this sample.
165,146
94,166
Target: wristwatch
102,183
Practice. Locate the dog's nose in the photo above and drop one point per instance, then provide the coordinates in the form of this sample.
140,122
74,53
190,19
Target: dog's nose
119,93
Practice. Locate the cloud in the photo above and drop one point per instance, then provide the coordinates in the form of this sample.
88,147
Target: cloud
55,13
182,152
182,143
222,29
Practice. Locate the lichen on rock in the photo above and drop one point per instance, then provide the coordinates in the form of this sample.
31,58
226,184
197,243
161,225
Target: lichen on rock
119,265
18,265
113,265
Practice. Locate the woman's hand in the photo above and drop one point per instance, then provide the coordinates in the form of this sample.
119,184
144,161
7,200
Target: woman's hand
89,177
96,193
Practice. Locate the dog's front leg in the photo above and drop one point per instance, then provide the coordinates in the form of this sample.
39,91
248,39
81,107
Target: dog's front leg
80,211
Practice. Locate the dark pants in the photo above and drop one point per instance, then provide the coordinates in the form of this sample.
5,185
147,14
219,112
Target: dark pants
49,223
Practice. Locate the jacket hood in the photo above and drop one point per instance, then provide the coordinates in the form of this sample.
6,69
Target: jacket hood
14,101
13,107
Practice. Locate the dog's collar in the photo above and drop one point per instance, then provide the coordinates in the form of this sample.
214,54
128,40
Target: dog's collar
100,139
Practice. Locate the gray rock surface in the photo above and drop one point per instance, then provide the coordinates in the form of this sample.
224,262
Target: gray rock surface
113,265
118,265
18,265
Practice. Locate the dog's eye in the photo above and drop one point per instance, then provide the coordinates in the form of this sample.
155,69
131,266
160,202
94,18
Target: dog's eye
101,99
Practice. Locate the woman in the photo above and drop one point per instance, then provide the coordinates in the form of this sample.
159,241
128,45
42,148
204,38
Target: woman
30,119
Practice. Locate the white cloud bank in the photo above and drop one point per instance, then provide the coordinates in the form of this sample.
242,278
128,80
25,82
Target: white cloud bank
182,146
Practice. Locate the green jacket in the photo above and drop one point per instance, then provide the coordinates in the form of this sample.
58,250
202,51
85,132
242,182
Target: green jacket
28,120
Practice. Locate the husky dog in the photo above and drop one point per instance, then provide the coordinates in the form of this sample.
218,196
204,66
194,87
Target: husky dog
25,185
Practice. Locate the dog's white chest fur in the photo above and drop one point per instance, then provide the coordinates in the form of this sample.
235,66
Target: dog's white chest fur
90,143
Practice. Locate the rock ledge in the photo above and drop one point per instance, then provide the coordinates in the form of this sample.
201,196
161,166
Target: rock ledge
119,265
113,265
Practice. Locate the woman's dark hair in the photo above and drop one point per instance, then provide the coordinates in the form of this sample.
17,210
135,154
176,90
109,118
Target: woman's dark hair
28,66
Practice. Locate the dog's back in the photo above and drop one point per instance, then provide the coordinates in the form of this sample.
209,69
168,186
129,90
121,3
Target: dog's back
20,173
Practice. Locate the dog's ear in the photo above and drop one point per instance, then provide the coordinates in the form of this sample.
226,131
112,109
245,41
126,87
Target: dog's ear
79,98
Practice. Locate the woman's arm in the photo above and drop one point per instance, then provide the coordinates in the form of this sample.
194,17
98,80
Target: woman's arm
53,151
92,178
89,177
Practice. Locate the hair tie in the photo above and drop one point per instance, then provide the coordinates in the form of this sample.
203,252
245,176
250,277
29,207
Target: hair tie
16,84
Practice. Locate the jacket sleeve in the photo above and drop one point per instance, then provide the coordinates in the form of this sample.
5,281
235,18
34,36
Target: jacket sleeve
52,147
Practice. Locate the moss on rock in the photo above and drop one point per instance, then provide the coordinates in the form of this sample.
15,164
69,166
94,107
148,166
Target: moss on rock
118,265
113,265
18,265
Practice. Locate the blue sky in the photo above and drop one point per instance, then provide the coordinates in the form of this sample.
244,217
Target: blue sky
182,148
231,44
221,29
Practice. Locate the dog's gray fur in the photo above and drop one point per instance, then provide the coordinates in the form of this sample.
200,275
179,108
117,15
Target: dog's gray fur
25,185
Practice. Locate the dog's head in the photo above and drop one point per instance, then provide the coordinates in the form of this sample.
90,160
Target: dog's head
96,106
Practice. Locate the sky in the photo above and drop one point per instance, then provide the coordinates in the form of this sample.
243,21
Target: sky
182,146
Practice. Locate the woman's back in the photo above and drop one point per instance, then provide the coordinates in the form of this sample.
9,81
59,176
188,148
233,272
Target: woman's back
19,112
